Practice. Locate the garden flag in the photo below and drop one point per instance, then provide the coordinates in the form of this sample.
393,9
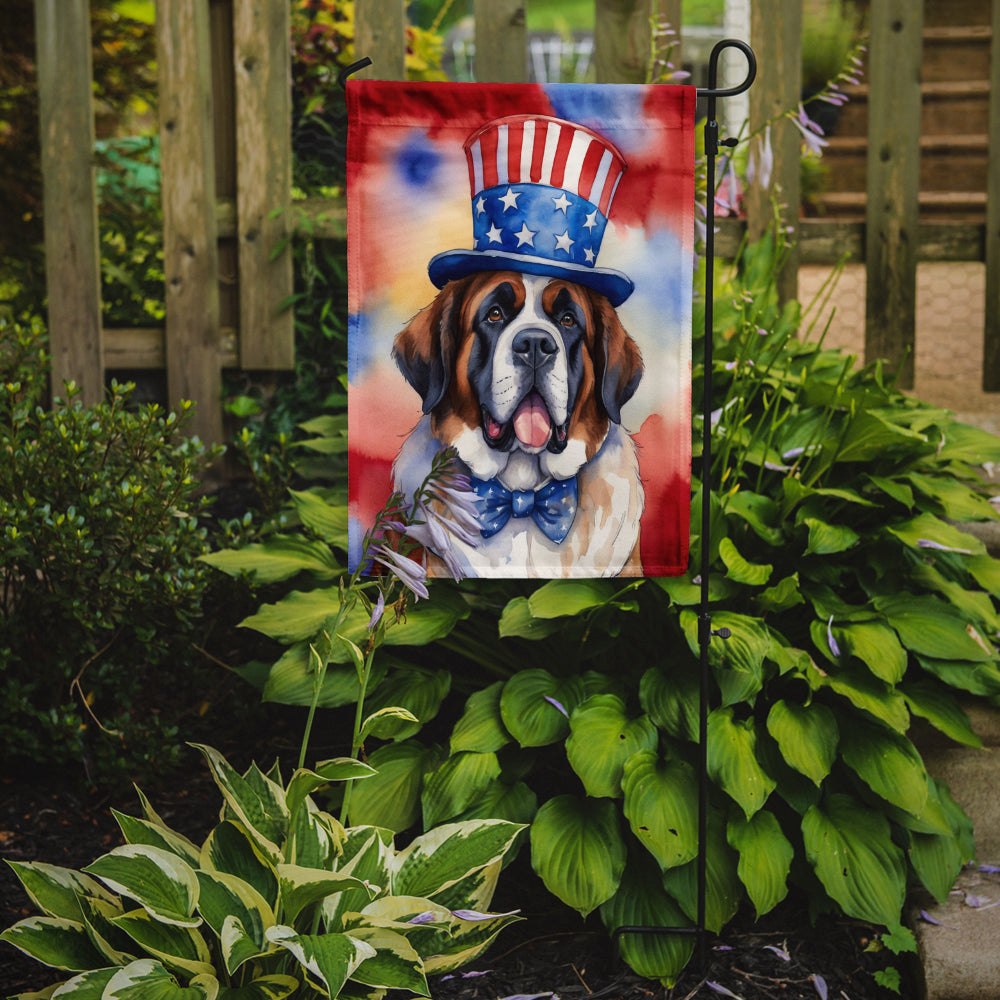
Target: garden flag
520,264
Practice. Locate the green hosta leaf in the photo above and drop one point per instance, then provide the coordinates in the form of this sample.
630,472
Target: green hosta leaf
986,571
231,850
159,881
941,709
957,501
931,628
893,488
765,858
418,691
738,661
560,598
641,901
481,728
141,831
395,964
723,889
516,803
758,511
738,569
456,784
864,691
888,763
876,646
976,678
330,959
671,700
578,851
937,858
438,859
301,887
292,680
975,605
147,979
56,891
226,898
850,848
260,809
661,800
279,558
391,798
180,948
602,738
327,520
928,528
870,435
807,736
530,706
517,620
783,595
54,941
828,539
275,987
965,443
732,760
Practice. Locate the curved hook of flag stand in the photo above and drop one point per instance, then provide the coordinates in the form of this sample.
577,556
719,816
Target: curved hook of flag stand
705,631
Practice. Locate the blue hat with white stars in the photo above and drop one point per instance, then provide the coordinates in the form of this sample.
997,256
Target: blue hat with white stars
541,192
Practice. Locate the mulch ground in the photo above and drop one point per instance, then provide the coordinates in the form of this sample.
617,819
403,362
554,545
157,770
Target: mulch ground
551,952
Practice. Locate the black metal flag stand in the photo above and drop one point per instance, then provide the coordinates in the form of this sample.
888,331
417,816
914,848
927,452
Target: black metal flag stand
705,631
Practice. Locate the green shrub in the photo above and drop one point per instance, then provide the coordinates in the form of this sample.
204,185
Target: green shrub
101,587
279,900
855,604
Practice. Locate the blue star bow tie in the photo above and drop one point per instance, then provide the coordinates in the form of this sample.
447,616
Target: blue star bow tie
552,508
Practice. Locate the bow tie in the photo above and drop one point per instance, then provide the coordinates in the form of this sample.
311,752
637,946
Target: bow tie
552,508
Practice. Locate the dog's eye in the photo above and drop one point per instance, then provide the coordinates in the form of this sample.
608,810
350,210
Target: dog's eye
495,314
567,319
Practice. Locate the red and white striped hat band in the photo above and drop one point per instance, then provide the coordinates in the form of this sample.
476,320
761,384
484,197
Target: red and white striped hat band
536,149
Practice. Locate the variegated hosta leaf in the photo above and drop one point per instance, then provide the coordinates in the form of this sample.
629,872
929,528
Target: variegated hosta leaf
315,838
481,726
54,941
367,853
807,736
147,979
456,784
300,887
86,986
98,915
578,851
395,964
56,891
765,858
850,847
732,760
441,857
141,831
230,849
535,706
888,763
476,890
391,799
723,889
274,987
177,947
602,737
642,902
661,805
329,959
158,880
466,941
304,782
225,897
256,801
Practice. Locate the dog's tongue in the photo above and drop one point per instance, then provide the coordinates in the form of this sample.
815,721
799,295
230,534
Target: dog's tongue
531,422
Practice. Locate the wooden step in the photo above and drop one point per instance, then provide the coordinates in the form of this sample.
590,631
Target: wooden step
956,53
959,206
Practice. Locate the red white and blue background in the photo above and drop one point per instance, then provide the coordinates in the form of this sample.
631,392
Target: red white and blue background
520,280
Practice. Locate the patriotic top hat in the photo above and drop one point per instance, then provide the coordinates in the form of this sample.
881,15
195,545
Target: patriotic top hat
541,192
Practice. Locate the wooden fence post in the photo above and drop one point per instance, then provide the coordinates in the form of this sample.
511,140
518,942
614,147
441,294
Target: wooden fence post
262,61
380,34
501,41
776,35
991,332
72,255
621,40
190,251
892,214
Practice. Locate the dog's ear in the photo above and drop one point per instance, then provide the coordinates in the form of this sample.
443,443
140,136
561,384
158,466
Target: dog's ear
618,361
424,350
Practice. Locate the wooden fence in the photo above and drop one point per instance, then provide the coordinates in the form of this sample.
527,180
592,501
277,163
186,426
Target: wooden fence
226,161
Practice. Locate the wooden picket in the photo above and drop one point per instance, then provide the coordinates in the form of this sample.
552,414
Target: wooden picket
226,161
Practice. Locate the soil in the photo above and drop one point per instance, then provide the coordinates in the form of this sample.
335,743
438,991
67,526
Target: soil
551,951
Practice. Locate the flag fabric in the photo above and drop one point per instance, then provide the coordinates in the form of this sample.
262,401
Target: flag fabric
520,272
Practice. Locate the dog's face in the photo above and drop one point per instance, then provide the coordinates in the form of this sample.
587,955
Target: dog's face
514,366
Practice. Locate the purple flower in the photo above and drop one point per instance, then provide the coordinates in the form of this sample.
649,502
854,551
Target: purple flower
475,915
760,166
719,988
558,705
834,648
427,917
411,574
780,952
811,132
927,543
377,612
820,983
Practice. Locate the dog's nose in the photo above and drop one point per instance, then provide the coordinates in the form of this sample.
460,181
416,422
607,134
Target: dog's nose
535,348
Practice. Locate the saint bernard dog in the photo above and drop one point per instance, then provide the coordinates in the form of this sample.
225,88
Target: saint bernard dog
525,376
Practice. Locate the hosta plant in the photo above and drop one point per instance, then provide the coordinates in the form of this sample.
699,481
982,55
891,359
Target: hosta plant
279,900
